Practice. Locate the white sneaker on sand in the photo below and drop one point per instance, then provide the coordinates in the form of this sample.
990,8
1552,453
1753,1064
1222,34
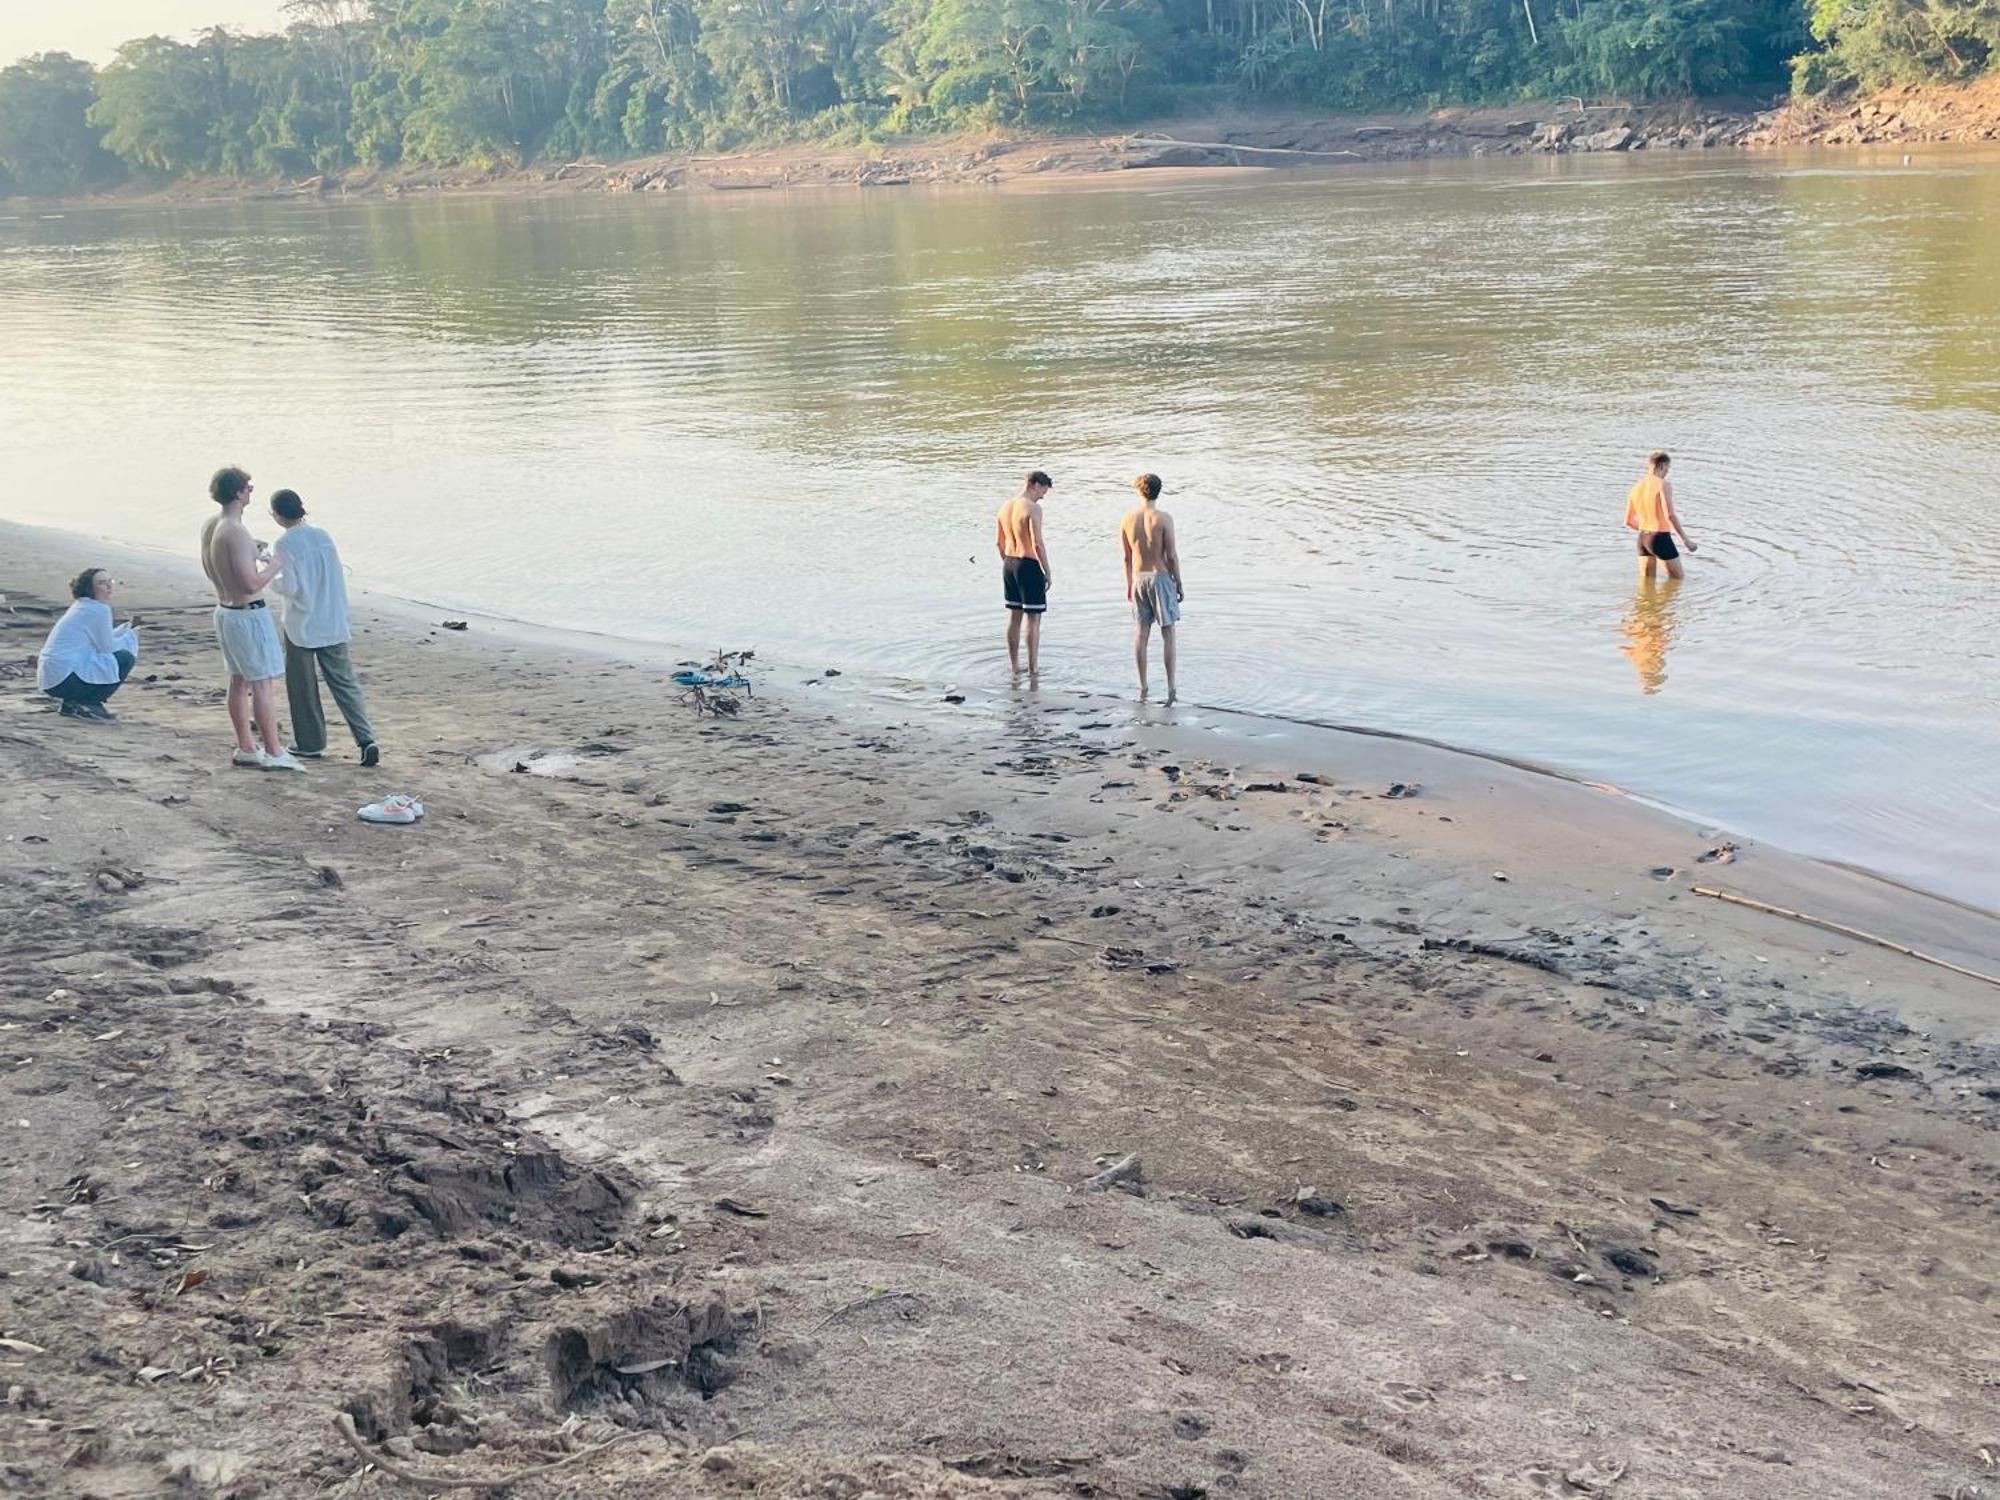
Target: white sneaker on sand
248,760
282,761
391,810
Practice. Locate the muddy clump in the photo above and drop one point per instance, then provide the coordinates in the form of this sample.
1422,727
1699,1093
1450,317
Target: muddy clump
452,1187
642,1356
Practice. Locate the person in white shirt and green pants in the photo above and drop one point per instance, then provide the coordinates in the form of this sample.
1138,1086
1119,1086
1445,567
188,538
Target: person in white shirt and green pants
313,586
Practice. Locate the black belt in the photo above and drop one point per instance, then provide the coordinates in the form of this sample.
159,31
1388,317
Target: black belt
253,604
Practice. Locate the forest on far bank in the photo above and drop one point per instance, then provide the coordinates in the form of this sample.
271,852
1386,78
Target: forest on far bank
374,83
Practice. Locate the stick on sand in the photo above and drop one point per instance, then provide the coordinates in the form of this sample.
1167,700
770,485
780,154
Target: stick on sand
344,1425
1843,930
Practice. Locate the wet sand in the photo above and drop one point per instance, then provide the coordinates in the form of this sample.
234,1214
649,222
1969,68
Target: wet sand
738,1084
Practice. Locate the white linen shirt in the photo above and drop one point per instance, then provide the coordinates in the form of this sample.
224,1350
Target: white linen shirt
82,642
313,587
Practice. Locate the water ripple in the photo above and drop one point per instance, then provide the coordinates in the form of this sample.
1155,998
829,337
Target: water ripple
1397,412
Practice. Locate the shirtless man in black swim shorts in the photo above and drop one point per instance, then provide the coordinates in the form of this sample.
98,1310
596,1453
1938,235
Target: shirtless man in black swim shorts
1649,510
1024,569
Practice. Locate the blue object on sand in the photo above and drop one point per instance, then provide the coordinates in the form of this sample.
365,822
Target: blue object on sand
706,680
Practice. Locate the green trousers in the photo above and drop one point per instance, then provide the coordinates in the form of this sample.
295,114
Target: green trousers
303,666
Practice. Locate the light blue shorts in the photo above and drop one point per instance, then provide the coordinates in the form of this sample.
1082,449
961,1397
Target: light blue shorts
250,648
1155,600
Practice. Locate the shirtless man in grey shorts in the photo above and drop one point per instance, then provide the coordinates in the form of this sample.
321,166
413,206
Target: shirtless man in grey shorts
249,637
1152,577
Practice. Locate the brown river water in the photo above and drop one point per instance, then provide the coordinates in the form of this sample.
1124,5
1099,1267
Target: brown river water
1397,410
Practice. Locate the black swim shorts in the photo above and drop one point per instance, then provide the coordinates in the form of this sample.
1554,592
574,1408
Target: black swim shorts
1026,588
1658,544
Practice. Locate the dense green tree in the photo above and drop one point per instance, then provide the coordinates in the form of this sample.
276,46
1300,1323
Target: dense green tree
1877,42
471,78
1651,48
335,45
161,105
657,90
47,143
985,58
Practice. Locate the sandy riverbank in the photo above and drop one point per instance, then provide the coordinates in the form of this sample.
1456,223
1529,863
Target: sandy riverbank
1229,139
736,1085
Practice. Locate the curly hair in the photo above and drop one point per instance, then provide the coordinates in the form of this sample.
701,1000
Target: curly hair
228,485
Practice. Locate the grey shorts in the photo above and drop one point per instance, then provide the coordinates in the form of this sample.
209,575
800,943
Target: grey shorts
1155,600
250,648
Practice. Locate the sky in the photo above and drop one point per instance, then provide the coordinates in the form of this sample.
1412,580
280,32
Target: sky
93,28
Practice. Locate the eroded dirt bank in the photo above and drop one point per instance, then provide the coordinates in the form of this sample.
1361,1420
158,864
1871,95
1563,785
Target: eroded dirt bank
732,1093
1903,116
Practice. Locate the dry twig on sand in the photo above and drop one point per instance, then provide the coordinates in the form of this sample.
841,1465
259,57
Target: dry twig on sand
344,1425
1843,930
868,1301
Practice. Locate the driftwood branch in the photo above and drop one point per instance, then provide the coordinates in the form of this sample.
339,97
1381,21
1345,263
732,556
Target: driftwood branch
1167,140
344,1425
1844,931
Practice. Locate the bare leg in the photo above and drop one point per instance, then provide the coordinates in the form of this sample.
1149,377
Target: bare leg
1034,645
1014,640
1649,567
264,701
1140,635
1167,651
1674,569
239,714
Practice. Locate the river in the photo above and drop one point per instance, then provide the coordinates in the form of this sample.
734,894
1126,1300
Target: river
1397,410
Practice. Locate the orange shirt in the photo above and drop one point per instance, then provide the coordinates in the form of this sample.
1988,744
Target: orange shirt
1646,505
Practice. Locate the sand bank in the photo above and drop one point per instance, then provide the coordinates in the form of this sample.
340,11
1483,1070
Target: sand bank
737,1084
1228,140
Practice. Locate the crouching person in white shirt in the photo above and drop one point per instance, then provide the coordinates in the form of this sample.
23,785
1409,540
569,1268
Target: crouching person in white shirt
313,586
87,657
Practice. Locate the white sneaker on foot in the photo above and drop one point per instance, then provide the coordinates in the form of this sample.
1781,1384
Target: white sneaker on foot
247,759
282,761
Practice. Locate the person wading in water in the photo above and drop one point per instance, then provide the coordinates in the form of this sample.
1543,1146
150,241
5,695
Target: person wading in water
1024,569
1152,577
1649,510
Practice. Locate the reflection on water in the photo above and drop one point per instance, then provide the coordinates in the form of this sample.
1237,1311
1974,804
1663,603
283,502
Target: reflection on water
1650,625
1398,411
